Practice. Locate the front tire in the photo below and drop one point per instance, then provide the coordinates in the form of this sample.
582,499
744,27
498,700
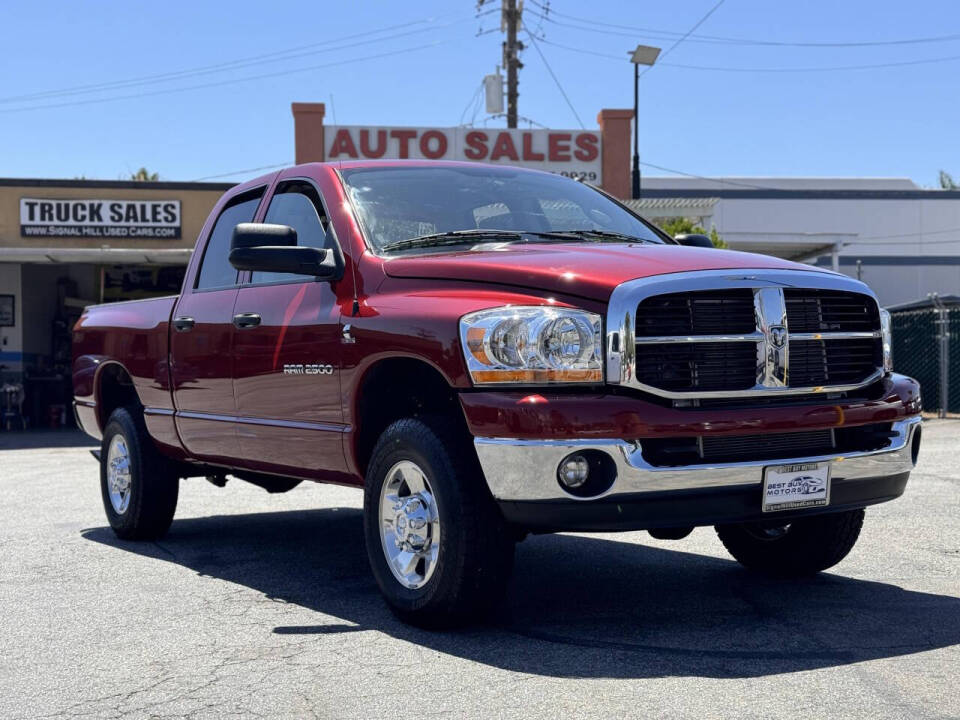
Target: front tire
802,547
138,486
437,545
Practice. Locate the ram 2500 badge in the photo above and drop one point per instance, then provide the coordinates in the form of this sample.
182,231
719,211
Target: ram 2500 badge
491,351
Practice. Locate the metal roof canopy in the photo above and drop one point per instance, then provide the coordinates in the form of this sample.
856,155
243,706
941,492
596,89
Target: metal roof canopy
671,206
97,256
801,247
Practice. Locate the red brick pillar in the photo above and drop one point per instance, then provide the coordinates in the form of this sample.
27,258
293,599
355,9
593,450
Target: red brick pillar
308,131
615,131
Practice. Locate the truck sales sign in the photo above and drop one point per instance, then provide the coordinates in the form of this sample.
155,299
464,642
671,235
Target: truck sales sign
44,217
574,153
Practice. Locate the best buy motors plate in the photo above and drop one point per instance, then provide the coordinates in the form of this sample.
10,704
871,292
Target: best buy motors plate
791,487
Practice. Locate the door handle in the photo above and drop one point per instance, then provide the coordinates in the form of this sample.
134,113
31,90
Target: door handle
183,324
246,320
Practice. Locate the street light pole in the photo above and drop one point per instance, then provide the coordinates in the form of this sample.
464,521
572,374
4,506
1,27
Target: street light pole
641,55
636,131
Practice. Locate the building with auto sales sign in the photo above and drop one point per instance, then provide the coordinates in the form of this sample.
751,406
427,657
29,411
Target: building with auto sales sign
65,244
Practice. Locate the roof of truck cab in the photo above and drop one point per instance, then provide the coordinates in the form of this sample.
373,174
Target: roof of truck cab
354,164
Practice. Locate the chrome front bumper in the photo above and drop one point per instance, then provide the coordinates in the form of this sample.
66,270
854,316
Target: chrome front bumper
524,470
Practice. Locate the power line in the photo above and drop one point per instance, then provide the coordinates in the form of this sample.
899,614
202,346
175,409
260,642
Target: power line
232,81
330,45
689,32
878,238
722,181
683,66
836,68
471,103
719,39
243,172
536,47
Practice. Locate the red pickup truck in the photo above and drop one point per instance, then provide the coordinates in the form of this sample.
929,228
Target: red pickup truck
491,351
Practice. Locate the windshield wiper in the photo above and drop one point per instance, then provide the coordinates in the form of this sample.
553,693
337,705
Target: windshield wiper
606,235
454,237
462,237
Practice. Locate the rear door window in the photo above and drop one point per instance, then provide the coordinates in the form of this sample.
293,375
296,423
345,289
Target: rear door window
215,268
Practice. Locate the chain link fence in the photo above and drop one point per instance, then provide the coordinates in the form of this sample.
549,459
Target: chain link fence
926,346
953,362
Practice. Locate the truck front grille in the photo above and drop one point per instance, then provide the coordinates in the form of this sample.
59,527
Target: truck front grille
698,366
818,311
698,450
834,362
702,313
745,340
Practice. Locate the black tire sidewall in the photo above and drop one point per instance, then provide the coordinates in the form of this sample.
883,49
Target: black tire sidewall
153,488
439,472
121,424
809,546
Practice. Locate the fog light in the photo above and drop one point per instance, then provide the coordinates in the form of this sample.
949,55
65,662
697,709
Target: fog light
573,471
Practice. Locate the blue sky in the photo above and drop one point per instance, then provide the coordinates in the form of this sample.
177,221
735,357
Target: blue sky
889,122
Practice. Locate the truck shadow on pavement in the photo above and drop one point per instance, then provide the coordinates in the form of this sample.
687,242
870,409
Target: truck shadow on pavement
577,606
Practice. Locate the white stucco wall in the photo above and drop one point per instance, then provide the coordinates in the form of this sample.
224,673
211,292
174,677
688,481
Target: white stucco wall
908,247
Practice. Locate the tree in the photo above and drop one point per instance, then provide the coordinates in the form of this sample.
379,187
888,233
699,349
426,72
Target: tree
685,226
947,182
144,175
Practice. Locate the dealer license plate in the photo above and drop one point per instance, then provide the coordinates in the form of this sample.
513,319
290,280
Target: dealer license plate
791,487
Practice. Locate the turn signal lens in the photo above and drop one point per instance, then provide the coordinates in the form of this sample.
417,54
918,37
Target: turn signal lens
886,334
533,344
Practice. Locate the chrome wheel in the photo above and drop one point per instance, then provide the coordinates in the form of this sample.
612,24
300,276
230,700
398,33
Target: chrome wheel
409,525
118,474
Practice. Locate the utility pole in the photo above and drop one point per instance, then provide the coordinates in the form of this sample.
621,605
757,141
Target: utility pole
510,22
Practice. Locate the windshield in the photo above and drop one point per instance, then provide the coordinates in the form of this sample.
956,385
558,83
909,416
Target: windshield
400,203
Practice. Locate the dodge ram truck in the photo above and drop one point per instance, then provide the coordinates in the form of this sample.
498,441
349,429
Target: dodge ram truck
488,352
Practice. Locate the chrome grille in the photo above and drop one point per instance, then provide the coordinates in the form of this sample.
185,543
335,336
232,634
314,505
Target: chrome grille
814,311
703,313
718,334
702,366
832,362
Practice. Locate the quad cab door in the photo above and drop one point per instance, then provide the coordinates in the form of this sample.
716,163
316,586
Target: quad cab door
202,336
287,354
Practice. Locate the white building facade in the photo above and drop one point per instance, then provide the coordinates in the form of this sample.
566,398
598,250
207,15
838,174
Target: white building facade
902,240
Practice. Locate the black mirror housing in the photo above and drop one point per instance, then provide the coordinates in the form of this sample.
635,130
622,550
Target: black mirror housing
694,240
249,235
284,259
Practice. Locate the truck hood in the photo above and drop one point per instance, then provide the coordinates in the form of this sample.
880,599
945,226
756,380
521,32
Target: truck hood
584,269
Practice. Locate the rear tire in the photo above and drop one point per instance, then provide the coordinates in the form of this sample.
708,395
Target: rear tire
423,483
138,485
802,547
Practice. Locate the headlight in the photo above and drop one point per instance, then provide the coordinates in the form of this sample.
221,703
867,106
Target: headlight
533,345
886,335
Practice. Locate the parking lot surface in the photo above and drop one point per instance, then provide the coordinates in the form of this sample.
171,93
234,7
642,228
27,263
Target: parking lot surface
262,605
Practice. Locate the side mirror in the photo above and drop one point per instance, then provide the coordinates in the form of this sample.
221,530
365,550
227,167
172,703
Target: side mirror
261,247
248,235
692,240
296,260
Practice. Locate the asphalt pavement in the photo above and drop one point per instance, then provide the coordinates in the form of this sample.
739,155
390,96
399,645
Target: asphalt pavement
259,605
